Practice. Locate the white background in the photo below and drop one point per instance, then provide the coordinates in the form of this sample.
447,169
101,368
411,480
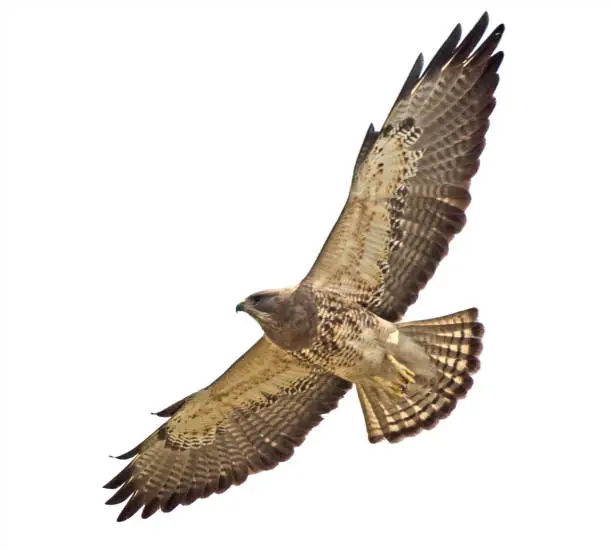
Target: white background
161,164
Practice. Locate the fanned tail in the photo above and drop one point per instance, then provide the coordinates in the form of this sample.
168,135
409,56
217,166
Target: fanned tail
452,345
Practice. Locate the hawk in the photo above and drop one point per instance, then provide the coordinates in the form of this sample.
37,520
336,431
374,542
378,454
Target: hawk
341,325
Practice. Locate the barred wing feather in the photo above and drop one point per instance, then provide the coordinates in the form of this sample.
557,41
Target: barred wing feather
411,181
248,420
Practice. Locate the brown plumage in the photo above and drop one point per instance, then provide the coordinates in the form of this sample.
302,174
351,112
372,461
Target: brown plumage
411,183
339,326
248,420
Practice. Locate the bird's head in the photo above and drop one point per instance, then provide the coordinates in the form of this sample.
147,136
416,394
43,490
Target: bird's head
267,307
287,316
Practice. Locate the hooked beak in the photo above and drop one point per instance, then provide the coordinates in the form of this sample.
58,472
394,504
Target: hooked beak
240,306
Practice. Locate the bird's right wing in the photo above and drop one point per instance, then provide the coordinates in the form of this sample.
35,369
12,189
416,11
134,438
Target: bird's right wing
248,420
411,181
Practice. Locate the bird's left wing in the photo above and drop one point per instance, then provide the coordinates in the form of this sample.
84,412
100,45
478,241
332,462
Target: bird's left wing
411,179
248,420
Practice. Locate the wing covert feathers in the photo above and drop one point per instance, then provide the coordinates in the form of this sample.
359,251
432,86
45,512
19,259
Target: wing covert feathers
411,182
453,344
249,420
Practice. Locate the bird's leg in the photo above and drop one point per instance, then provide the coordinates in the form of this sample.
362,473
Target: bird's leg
398,379
407,374
391,387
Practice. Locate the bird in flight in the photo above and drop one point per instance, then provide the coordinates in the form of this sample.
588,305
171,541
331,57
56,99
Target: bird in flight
341,325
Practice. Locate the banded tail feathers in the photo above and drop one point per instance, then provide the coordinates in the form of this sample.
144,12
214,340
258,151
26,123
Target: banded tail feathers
430,387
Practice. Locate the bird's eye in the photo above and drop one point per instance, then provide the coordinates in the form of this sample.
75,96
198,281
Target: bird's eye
256,299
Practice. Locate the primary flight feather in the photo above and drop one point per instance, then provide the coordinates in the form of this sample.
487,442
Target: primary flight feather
339,326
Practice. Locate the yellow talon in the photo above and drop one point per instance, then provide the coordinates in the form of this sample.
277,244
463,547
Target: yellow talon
406,373
395,389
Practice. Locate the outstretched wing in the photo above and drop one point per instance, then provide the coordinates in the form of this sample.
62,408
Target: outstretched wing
248,420
411,179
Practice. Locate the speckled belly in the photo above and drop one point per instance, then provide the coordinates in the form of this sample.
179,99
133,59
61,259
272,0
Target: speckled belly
347,339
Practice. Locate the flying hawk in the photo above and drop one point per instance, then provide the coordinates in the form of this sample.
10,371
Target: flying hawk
339,326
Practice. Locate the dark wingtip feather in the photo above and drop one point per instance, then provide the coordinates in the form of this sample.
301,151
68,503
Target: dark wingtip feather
173,501
130,454
123,516
368,142
133,505
411,80
120,478
489,45
121,495
169,411
472,38
417,67
446,51
495,61
497,33
414,75
150,508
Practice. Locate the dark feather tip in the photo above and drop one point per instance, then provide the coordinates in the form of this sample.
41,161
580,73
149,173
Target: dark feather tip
150,508
122,494
472,38
130,454
169,411
499,30
445,52
133,505
413,77
478,329
120,478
